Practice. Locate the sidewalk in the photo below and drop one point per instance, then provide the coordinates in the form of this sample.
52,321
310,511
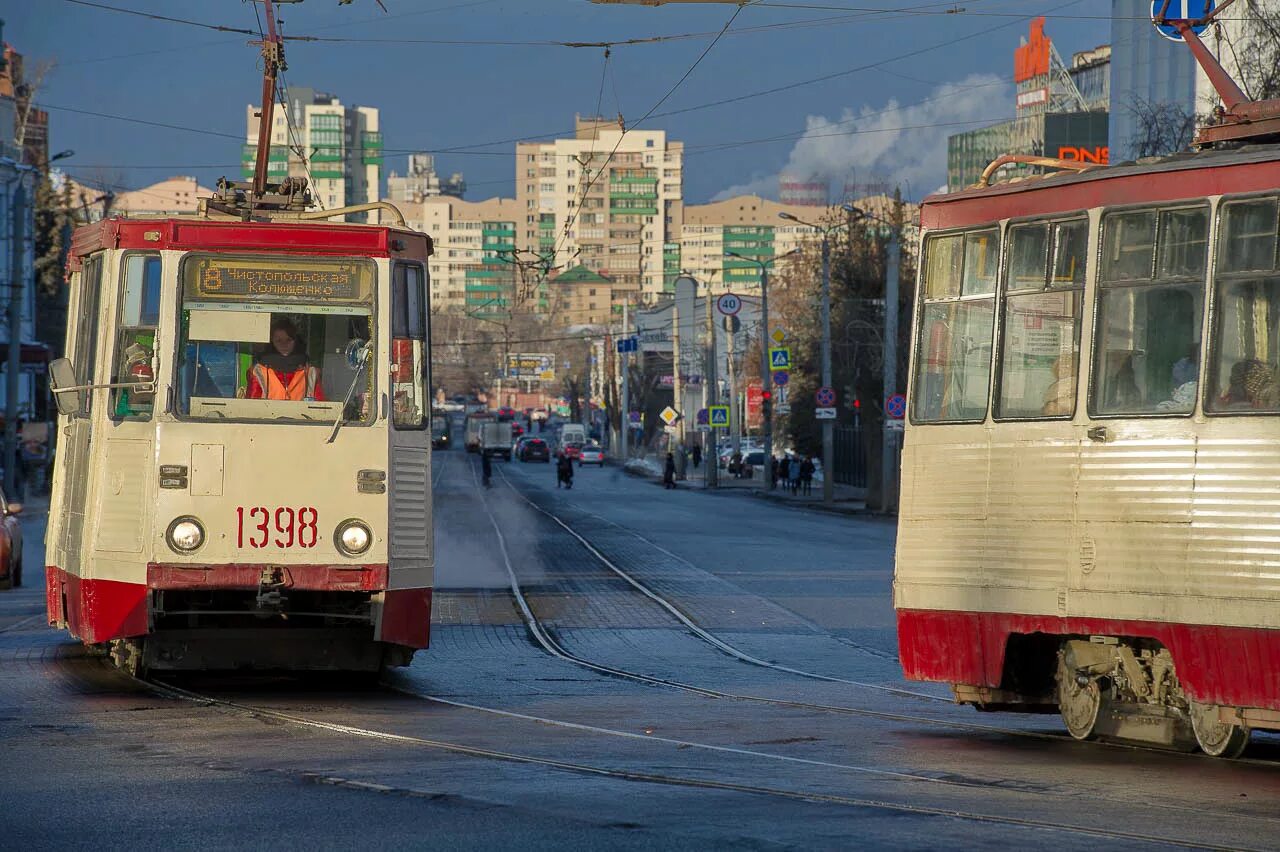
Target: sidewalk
847,500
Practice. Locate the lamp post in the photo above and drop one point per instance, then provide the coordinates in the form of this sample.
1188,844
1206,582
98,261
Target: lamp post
889,376
766,408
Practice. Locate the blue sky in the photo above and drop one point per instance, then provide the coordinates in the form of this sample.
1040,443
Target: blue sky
440,96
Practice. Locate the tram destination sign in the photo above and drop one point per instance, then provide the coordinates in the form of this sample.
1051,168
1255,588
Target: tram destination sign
277,279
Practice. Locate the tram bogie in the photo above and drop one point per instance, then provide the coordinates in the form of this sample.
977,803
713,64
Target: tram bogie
243,471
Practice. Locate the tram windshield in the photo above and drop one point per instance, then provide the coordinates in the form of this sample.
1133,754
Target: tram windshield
276,339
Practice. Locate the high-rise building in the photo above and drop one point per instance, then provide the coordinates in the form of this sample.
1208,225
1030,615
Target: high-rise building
313,135
606,199
474,267
421,182
1155,80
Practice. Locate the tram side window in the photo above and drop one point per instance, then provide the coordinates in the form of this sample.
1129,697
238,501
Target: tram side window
1040,320
1147,352
953,352
136,336
86,357
409,384
1244,372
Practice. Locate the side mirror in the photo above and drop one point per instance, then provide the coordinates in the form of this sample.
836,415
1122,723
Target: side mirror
15,509
62,380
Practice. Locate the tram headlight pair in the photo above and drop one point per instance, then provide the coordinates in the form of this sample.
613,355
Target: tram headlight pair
352,537
185,534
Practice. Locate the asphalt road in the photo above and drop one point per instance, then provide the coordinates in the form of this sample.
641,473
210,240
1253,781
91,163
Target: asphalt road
615,666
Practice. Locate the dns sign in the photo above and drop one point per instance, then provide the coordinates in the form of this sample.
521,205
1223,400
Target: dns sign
1099,154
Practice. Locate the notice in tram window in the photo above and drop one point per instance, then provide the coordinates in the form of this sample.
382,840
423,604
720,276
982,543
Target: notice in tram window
278,279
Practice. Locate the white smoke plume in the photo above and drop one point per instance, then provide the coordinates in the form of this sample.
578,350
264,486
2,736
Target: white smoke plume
898,145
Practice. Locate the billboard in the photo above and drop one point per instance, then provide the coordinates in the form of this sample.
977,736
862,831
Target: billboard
531,367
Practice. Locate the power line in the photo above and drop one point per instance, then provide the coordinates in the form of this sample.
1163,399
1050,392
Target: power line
155,17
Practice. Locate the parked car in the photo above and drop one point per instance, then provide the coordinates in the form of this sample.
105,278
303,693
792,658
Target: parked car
10,544
591,454
572,450
534,449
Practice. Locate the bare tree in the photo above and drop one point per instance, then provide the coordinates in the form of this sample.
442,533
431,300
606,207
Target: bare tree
1163,127
1258,54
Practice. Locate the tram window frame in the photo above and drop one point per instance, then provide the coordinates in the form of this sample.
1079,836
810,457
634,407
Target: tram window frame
409,324
1109,283
1226,274
955,295
89,326
119,396
1048,285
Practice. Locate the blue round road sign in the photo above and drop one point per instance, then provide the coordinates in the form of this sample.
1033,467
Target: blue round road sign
896,406
781,377
825,397
1180,10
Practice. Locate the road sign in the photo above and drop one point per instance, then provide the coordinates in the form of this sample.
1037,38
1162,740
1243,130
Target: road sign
701,417
780,358
634,417
783,408
629,344
1180,10
728,304
896,406
825,397
781,377
893,426
732,324
718,416
778,335
824,413
669,416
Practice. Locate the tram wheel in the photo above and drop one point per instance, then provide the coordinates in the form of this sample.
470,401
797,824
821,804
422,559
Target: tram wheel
126,654
1215,737
1079,705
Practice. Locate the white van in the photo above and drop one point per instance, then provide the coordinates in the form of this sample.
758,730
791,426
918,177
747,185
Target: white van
573,433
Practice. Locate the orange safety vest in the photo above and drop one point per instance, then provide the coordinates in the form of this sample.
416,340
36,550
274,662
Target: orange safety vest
300,384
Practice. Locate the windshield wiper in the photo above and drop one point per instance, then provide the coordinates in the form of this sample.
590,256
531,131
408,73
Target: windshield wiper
357,357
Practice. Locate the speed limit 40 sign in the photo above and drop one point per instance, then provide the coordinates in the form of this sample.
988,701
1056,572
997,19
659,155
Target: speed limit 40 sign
729,304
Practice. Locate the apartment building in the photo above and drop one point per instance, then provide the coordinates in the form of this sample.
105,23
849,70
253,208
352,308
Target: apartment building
313,135
422,181
474,267
606,199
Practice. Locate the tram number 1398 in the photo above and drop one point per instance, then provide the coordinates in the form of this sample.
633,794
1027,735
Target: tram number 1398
292,527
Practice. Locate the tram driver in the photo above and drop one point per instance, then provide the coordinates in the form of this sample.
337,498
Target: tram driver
284,371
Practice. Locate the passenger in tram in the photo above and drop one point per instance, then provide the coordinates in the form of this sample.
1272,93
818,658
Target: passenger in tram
284,371
1252,385
1060,396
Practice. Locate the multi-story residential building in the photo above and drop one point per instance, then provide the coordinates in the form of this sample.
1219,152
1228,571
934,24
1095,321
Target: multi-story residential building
475,268
422,181
579,296
176,196
313,135
607,199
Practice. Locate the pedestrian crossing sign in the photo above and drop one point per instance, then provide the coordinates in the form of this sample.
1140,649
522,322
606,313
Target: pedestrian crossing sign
719,416
780,358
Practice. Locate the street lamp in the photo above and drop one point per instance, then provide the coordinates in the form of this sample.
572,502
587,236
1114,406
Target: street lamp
828,426
766,419
888,448
62,155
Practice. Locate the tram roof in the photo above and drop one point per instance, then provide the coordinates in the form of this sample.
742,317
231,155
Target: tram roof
1179,176
195,233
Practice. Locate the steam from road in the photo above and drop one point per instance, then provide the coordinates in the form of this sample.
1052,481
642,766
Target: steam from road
892,144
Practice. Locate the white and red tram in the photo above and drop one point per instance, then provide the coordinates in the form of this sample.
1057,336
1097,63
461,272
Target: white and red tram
199,523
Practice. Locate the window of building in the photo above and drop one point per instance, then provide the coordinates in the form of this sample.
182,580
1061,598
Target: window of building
648,143
1244,372
953,354
1040,319
1150,308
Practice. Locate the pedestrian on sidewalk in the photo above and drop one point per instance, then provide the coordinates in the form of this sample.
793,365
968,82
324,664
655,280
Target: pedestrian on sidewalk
807,468
669,472
793,475
682,461
735,464
697,456
781,472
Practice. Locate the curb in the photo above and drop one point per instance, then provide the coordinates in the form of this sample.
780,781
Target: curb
844,509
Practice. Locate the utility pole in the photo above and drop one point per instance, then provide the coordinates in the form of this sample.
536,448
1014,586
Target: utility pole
624,361
766,404
889,440
13,364
676,402
828,426
711,396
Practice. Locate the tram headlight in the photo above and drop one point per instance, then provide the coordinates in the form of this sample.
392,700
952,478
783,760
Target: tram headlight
353,537
185,534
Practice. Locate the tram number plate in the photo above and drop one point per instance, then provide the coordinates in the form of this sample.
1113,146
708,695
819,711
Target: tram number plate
261,526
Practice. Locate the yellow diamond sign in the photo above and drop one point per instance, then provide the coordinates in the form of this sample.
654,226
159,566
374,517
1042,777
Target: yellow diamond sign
778,335
669,415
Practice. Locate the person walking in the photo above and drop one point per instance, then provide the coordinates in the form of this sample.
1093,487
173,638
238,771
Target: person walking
783,472
735,464
669,472
793,475
697,455
807,468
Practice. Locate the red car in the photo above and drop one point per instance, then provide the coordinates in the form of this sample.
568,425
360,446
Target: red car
10,544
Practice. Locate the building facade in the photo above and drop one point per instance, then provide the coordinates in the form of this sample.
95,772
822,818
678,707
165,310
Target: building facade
606,200
313,135
474,267
422,181
749,225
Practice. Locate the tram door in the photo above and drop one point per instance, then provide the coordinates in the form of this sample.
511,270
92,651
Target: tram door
409,540
76,436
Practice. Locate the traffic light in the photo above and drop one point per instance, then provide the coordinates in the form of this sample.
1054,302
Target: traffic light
766,404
